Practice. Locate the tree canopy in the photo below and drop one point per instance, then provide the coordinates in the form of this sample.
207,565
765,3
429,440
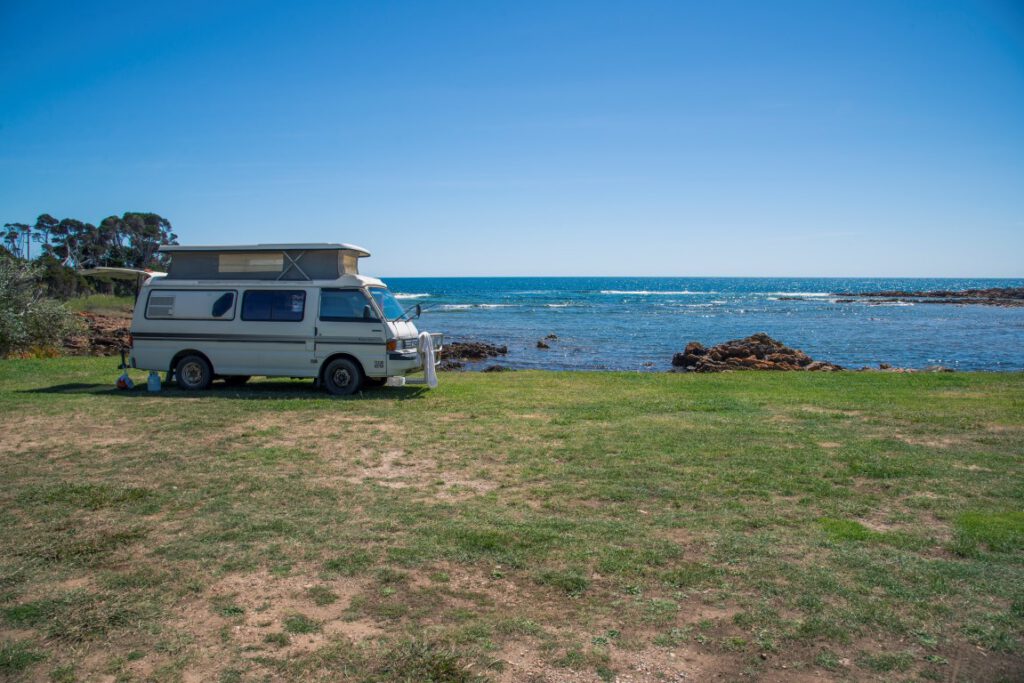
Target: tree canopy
127,241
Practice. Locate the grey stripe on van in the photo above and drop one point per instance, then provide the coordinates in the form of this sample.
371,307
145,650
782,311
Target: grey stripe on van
349,340
257,339
195,336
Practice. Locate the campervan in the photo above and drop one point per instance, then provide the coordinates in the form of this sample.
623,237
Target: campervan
277,310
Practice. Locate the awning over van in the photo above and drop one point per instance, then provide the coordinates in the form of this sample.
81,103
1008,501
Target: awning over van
130,274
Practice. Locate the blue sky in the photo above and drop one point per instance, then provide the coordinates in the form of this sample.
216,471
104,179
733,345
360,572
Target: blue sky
548,138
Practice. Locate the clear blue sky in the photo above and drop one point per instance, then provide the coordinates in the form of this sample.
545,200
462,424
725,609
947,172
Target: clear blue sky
547,138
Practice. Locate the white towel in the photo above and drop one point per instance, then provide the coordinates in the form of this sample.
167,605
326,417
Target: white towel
426,348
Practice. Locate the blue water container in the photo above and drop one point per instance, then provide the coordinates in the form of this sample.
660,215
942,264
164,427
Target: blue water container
153,383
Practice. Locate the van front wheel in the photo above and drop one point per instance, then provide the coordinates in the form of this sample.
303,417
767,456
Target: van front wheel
342,377
193,373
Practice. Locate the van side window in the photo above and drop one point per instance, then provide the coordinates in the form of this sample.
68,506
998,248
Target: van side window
223,304
346,305
274,305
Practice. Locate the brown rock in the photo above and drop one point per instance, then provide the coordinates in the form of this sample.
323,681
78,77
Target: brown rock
756,352
471,351
691,355
455,355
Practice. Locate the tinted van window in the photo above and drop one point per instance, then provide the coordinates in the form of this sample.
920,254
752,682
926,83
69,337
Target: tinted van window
275,305
223,304
345,305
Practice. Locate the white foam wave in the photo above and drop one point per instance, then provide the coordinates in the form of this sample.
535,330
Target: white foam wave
799,293
557,305
648,292
463,307
411,296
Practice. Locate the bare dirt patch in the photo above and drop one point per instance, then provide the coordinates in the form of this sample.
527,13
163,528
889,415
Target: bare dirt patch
25,433
820,410
323,433
252,612
397,470
930,441
973,468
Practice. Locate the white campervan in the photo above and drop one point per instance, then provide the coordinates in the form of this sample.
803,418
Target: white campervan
280,310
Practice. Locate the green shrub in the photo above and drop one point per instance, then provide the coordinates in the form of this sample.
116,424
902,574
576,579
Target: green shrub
28,320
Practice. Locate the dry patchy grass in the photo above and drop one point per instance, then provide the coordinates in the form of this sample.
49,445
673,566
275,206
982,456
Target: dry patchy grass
523,526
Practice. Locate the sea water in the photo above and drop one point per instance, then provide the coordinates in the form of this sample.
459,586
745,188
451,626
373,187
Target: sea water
638,323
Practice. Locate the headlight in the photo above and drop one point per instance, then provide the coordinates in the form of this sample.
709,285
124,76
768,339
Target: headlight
403,344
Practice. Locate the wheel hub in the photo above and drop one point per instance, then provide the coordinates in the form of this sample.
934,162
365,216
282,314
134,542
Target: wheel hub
193,373
341,377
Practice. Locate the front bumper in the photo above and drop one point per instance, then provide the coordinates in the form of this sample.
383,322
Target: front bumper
408,360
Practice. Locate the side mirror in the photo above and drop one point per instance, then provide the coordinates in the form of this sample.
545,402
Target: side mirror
367,313
419,310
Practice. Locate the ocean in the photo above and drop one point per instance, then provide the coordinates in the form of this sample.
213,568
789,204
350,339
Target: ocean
637,323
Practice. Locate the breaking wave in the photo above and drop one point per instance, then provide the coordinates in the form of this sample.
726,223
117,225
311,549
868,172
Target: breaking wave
648,292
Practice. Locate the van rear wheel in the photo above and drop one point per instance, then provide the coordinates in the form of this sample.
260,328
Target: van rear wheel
342,377
193,373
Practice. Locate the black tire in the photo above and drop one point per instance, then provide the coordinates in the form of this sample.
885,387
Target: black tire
342,377
236,380
193,373
374,382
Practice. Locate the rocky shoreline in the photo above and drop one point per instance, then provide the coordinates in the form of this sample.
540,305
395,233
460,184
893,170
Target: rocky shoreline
106,335
455,355
992,296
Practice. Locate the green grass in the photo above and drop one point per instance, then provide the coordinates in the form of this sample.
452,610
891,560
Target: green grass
998,531
15,657
300,623
105,304
850,525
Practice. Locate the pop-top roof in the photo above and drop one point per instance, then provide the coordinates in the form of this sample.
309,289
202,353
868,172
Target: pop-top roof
309,246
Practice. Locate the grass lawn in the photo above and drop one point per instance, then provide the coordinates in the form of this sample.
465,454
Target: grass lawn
513,527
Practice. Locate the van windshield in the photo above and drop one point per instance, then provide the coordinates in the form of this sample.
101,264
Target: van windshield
387,302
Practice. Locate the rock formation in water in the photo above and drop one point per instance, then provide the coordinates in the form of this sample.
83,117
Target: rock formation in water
756,352
455,355
992,296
